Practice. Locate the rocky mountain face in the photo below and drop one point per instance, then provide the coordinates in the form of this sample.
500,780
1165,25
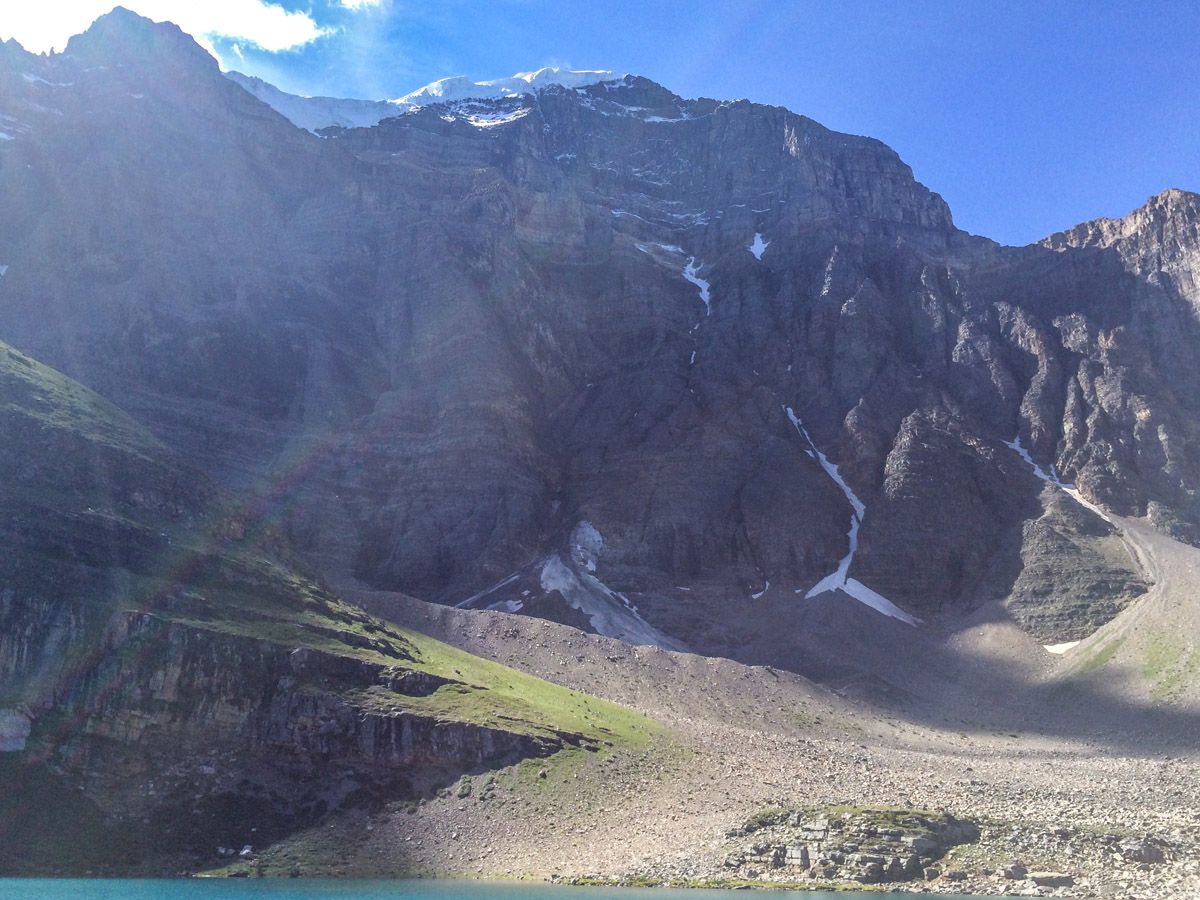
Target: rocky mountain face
699,373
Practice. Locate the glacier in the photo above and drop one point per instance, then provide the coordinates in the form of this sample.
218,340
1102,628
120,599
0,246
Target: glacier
316,113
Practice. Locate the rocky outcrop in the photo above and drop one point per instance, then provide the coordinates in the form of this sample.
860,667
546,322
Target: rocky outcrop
1160,242
1075,573
868,846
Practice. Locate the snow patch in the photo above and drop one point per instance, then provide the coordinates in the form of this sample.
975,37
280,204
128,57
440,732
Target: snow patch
587,544
490,118
691,272
666,248
840,578
766,587
1060,649
3,270
876,601
608,611
758,246
1051,477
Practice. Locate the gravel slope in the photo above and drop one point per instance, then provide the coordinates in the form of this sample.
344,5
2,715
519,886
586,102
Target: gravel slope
1091,766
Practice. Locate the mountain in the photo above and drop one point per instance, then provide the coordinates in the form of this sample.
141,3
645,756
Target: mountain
630,360
694,374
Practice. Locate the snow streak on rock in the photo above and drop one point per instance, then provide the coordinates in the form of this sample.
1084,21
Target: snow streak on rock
505,582
839,579
12,124
1051,477
758,246
766,587
691,272
831,470
827,284
38,79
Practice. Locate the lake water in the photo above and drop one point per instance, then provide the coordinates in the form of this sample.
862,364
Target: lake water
273,889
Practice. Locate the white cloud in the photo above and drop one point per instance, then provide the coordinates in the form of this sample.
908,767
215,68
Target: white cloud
360,4
47,25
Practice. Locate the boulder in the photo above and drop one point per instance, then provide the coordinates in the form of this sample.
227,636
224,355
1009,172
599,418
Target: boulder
1014,871
871,873
1051,879
797,855
1142,851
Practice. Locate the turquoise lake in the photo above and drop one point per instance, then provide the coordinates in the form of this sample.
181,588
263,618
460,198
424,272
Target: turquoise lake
254,889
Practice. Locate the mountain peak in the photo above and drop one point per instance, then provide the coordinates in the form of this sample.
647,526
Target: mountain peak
1167,211
1171,202
123,36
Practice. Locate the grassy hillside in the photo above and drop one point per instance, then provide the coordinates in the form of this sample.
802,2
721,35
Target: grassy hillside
147,615
248,594
33,391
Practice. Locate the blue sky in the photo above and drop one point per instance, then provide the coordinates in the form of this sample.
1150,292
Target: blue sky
1026,116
